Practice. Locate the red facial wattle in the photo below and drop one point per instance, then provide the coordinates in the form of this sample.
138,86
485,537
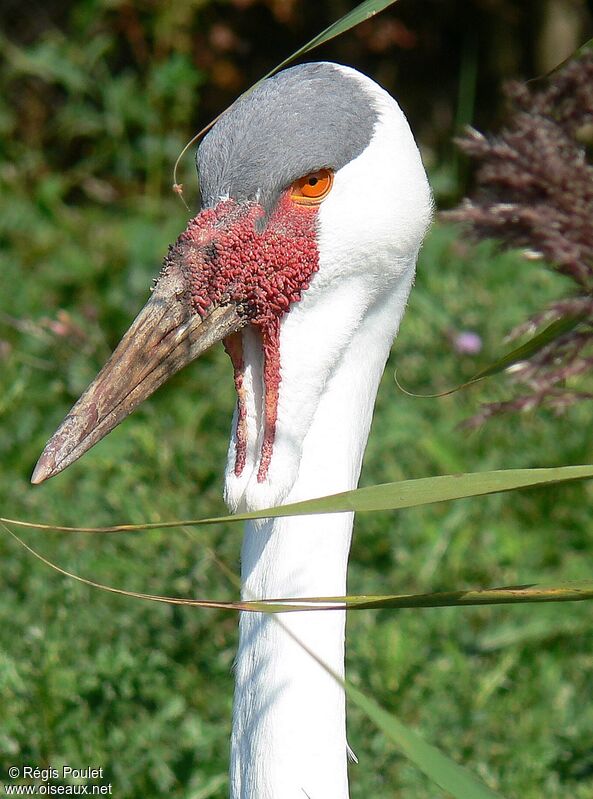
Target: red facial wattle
227,258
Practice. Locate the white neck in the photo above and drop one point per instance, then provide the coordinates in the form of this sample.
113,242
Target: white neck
289,733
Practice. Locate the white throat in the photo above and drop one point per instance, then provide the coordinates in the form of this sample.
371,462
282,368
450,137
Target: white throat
289,733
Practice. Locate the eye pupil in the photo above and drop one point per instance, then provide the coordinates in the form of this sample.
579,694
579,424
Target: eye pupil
313,188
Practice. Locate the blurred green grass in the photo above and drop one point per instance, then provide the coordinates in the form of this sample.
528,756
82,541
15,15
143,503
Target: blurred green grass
145,691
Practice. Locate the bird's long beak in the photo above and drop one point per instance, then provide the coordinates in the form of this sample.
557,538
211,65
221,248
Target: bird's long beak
165,336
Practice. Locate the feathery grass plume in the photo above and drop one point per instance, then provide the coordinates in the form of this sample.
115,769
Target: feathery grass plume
534,189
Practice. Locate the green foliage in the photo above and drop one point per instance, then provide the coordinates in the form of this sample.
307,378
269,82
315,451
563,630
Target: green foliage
361,12
152,687
94,116
445,773
145,691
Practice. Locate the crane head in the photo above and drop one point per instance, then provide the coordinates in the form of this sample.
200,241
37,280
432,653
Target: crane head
312,188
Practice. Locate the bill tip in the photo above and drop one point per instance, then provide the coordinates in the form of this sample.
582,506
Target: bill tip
41,471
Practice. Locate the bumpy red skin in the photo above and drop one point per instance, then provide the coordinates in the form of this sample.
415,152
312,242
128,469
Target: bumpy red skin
234,346
226,258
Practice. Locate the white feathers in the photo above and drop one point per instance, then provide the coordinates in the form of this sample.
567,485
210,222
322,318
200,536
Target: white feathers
289,737
370,229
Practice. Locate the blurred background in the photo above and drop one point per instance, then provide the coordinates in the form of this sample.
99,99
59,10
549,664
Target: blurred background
97,98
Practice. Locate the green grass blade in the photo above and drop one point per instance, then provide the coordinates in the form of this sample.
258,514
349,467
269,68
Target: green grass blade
574,591
422,491
360,13
565,592
585,48
388,496
554,331
431,761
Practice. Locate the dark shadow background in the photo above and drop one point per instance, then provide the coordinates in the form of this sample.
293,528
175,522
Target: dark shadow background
444,59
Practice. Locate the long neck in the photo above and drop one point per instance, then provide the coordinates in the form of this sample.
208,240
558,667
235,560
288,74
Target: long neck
289,732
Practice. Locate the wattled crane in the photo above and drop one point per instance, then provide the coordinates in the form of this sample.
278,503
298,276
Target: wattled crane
314,206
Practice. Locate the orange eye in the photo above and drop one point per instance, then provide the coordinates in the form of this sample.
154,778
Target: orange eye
313,188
